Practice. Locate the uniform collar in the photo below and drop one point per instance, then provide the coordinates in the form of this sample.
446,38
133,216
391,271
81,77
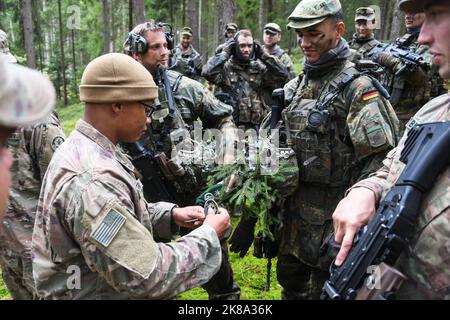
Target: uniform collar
359,40
93,134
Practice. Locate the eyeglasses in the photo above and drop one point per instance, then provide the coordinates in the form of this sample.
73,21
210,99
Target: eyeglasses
149,109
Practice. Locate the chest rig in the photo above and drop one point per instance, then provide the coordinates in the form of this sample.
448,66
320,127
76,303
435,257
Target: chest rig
164,122
245,83
315,127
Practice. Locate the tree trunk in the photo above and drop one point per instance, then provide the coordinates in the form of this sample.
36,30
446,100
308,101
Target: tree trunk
192,21
386,19
113,27
270,10
171,9
28,32
74,61
396,22
139,11
204,50
11,33
130,15
261,18
106,34
217,32
226,13
183,10
63,63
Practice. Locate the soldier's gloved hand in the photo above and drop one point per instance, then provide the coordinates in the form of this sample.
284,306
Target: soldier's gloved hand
259,51
230,47
243,236
387,60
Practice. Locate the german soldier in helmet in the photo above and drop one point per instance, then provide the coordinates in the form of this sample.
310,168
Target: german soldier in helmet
364,40
271,39
340,127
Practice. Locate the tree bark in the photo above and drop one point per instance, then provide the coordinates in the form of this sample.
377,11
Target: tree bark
113,27
261,18
28,32
63,63
396,22
226,13
74,61
139,11
386,19
106,34
183,10
192,21
270,10
130,15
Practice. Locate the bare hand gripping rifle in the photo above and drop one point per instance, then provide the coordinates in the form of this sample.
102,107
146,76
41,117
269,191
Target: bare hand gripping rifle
426,154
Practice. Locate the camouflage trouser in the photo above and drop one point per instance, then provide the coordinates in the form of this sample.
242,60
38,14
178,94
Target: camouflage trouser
299,281
222,285
17,274
298,269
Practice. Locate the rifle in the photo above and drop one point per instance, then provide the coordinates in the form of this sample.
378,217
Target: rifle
266,247
382,241
410,61
155,185
168,120
157,171
277,107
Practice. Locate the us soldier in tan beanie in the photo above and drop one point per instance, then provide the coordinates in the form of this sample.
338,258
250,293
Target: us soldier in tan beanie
94,231
147,44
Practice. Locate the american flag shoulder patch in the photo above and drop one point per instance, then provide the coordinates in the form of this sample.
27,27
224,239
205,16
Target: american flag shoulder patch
108,228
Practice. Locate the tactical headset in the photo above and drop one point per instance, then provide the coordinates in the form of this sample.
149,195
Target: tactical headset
138,44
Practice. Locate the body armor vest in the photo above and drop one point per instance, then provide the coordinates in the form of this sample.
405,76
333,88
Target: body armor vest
318,134
246,88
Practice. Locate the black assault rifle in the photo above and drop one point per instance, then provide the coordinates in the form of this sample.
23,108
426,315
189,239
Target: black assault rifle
380,243
409,60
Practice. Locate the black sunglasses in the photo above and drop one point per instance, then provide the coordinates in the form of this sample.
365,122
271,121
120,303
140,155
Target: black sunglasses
149,109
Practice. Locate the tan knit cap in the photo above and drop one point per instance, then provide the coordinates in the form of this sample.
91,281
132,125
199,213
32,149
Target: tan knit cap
116,77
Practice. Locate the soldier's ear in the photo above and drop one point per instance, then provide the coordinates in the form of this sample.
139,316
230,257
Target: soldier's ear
116,108
340,30
136,56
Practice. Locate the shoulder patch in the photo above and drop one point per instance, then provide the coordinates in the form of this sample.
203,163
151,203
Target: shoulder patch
108,228
57,141
376,135
370,95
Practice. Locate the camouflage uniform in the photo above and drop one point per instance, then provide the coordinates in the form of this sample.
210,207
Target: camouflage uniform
362,46
188,63
193,101
276,51
356,129
426,259
229,27
420,85
285,59
93,236
4,48
246,83
32,149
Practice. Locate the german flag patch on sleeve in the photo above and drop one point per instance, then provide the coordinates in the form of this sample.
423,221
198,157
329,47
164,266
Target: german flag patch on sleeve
370,95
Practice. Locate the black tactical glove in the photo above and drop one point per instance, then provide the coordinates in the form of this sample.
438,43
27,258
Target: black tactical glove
259,51
243,236
230,47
